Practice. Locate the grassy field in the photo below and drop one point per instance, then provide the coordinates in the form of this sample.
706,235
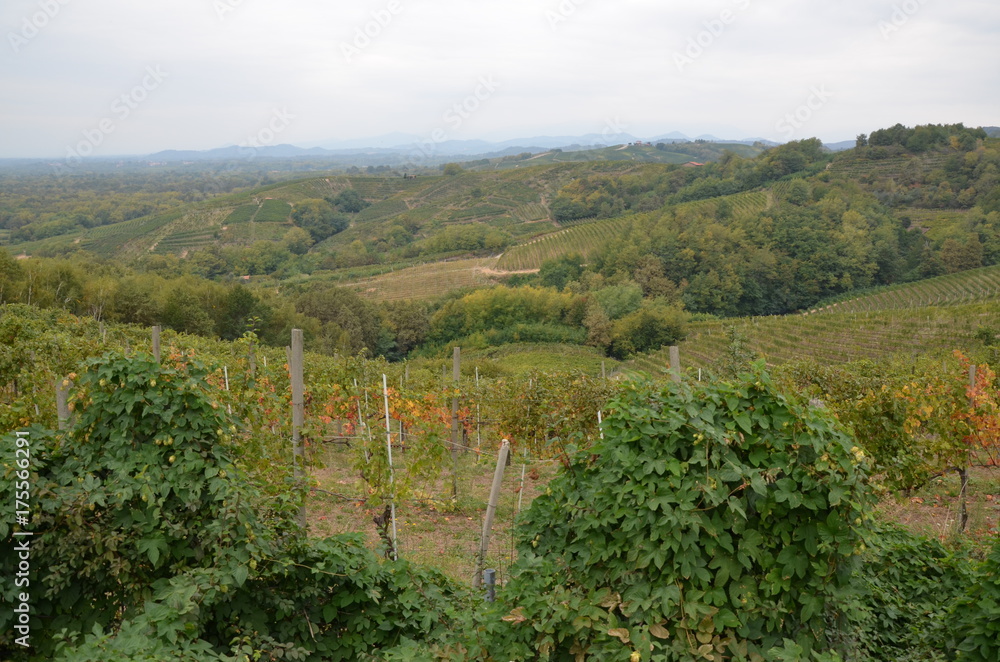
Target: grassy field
523,358
428,280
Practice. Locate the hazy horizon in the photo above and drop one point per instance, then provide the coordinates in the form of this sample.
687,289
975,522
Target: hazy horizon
113,78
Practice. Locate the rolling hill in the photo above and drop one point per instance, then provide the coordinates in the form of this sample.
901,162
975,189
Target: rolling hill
932,316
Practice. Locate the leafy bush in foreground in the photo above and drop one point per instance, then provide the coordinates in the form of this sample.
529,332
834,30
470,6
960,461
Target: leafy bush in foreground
148,545
713,522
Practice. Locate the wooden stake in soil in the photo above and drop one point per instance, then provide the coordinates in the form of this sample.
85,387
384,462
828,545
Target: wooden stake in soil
675,363
963,471
62,406
298,413
156,343
479,423
456,374
225,374
491,510
361,428
520,491
392,476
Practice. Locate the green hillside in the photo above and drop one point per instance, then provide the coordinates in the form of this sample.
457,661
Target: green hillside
668,153
930,317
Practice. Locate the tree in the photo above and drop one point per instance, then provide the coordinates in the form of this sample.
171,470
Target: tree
297,241
241,311
619,300
10,275
452,169
409,322
350,201
350,324
182,311
653,326
861,142
560,271
319,219
133,301
955,256
600,329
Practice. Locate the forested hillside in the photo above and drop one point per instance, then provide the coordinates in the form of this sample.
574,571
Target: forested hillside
611,254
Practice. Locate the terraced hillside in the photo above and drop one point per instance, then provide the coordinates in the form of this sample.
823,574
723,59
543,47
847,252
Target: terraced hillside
832,337
515,200
927,317
673,153
890,167
582,239
975,285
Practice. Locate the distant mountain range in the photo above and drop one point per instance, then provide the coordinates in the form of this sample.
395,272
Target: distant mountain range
426,149
400,148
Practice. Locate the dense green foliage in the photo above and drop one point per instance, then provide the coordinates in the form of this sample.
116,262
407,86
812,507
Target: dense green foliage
155,547
910,588
712,520
977,631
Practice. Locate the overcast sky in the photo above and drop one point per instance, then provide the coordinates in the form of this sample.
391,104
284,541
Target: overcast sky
107,77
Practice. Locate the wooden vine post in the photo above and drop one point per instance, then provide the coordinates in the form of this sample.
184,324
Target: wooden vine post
455,436
62,403
392,475
963,471
675,363
491,510
479,422
298,413
156,343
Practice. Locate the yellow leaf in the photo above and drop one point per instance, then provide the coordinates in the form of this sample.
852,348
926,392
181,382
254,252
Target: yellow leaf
659,631
515,616
621,633
612,602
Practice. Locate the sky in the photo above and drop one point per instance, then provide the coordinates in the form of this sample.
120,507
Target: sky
117,77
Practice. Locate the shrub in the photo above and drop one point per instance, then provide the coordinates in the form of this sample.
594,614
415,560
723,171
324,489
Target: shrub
977,613
149,545
711,520
908,586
